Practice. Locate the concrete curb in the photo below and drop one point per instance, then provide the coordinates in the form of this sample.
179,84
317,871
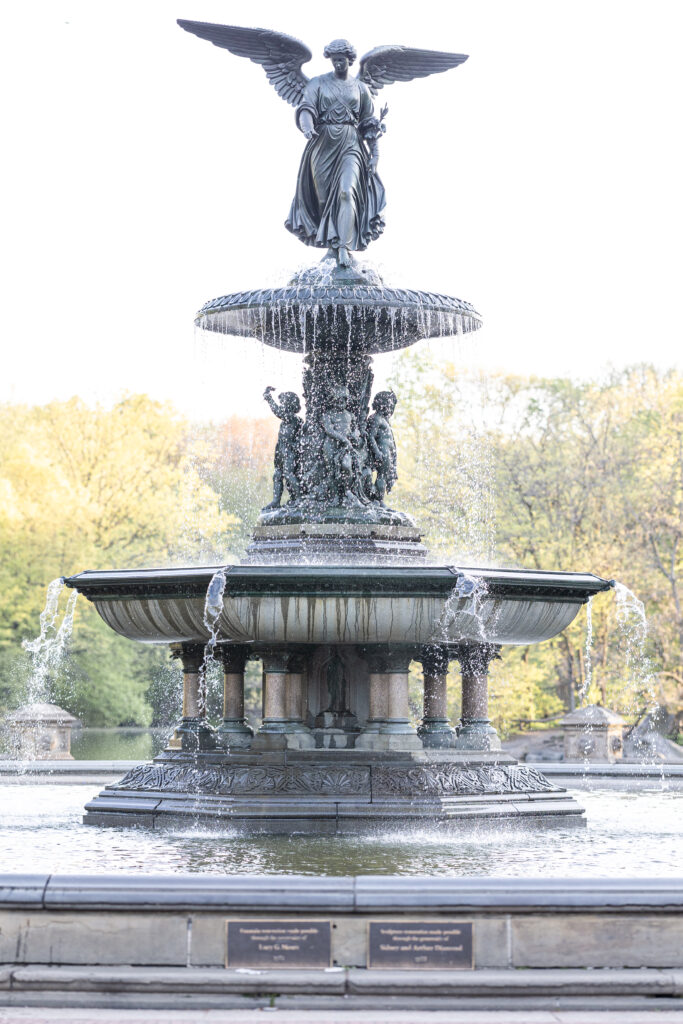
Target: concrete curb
344,989
344,895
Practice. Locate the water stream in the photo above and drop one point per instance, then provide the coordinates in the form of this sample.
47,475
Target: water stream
588,653
639,672
213,607
471,618
49,648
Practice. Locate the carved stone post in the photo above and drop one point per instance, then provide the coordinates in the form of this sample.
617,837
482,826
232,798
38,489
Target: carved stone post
379,701
436,730
397,731
194,732
278,731
476,731
234,731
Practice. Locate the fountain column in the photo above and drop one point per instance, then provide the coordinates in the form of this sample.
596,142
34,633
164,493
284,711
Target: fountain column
397,731
436,730
278,730
194,732
234,731
476,731
378,694
295,692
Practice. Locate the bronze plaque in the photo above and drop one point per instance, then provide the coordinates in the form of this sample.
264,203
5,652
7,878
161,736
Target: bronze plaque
420,945
278,944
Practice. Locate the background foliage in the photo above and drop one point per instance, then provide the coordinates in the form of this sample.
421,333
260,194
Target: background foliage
548,474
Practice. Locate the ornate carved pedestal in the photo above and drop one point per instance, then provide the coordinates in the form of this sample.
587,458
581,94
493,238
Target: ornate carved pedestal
372,621
282,782
332,792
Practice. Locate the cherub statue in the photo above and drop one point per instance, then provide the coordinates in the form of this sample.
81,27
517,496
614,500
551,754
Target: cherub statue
288,447
339,197
381,443
339,455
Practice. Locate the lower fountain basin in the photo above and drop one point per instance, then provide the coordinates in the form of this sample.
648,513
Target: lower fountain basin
341,605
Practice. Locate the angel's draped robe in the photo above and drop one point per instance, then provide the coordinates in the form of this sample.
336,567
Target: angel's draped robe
334,162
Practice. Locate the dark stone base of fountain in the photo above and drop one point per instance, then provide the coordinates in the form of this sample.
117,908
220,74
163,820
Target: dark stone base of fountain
340,791
371,534
314,543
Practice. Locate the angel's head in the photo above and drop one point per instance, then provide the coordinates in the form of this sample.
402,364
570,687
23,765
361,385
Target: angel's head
342,55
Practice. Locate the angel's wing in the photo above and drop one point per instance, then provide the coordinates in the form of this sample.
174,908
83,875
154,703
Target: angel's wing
387,64
280,56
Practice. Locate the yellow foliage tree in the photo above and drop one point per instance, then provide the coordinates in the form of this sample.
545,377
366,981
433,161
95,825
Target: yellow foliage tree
102,488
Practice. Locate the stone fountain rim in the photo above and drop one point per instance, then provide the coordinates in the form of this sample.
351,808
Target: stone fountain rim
361,296
252,314
335,581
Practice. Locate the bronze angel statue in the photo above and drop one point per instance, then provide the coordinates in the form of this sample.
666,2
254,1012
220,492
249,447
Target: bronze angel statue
339,196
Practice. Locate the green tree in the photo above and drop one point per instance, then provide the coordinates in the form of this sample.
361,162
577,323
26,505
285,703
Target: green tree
575,475
102,488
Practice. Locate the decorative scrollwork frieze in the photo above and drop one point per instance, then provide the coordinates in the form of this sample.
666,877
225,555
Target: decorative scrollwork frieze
236,780
455,780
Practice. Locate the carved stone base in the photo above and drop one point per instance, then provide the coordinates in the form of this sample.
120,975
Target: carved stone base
193,734
437,734
277,540
234,733
335,791
478,735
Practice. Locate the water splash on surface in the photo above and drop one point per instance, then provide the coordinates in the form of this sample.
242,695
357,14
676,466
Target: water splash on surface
47,651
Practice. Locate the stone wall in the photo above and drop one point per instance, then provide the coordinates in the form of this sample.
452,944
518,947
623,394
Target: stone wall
180,921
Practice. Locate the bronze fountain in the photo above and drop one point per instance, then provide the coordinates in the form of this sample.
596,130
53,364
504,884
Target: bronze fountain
335,595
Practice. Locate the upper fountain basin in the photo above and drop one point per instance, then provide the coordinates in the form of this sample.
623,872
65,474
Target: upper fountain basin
329,305
341,605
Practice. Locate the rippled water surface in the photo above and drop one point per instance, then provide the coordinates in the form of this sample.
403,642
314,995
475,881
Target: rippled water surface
628,833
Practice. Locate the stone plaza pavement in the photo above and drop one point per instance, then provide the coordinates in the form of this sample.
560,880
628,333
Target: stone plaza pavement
295,1016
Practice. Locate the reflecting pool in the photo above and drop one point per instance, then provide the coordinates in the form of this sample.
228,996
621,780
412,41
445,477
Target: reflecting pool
628,833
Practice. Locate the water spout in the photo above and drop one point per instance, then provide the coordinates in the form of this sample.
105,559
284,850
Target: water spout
213,607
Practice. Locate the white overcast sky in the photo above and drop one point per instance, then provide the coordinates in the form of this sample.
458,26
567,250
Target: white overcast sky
145,171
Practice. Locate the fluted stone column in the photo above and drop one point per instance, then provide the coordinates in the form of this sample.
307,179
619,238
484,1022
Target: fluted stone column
379,702
234,732
278,731
397,731
435,731
194,732
476,731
